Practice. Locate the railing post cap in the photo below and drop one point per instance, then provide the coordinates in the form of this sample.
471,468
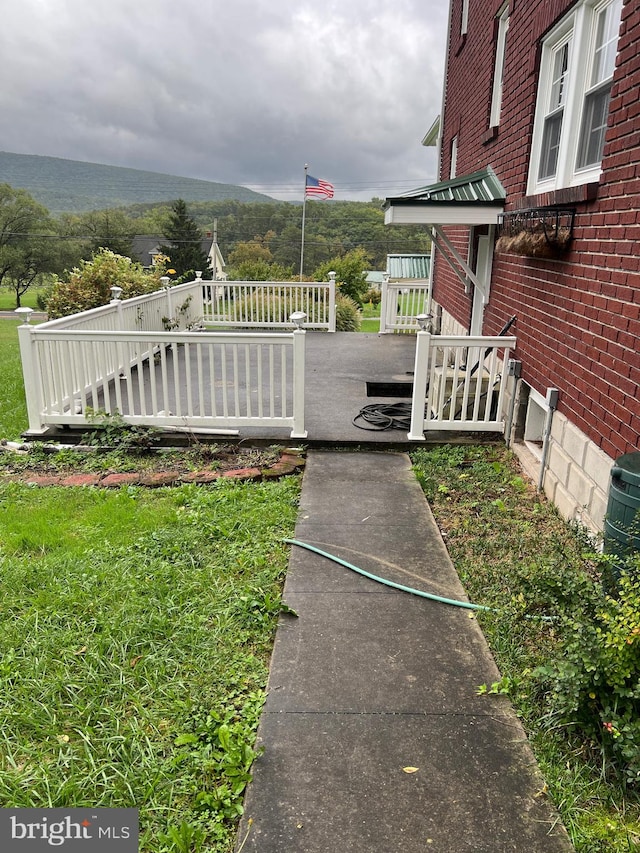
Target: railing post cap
332,275
25,313
164,280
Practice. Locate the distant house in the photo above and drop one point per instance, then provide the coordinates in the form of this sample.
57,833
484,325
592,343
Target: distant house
537,215
145,250
374,279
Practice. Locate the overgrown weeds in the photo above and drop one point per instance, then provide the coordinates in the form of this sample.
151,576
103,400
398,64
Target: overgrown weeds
569,653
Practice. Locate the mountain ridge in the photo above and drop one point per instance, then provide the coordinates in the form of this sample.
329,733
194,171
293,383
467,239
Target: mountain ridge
77,186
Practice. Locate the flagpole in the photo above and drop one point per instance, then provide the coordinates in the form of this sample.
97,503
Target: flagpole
304,213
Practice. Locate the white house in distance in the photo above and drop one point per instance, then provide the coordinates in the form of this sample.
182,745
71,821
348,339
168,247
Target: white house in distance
145,250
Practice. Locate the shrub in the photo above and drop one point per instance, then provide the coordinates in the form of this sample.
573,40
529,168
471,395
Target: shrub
347,315
373,296
89,285
594,686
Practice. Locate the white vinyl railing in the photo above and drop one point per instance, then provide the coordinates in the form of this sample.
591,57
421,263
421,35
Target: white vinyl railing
172,308
212,381
400,304
459,383
269,304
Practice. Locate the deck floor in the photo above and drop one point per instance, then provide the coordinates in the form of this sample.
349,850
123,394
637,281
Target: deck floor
338,368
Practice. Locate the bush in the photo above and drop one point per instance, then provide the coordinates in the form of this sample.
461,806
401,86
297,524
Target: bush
347,315
89,285
594,686
373,296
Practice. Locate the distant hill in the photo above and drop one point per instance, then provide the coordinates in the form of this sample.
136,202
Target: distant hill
72,186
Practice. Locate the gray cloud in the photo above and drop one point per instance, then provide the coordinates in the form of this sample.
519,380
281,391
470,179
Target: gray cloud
244,92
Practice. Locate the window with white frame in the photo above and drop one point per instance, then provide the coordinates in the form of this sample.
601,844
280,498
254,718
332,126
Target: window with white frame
498,72
574,89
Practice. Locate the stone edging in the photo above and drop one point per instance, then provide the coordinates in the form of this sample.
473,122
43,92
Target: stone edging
290,462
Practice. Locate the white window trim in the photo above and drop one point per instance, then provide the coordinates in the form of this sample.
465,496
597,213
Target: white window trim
464,20
498,71
579,26
453,164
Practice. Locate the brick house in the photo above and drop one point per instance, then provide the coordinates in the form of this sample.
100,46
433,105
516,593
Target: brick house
537,215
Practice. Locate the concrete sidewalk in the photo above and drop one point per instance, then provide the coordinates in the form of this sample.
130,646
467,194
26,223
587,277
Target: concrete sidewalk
369,683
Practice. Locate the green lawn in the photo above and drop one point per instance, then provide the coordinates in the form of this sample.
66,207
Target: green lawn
370,318
13,410
8,299
135,634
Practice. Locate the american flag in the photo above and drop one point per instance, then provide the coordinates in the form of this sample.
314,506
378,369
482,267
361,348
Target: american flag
317,188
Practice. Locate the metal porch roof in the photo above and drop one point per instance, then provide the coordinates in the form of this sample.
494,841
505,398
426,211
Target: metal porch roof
475,199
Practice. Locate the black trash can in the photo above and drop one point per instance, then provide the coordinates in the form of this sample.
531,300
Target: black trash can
622,522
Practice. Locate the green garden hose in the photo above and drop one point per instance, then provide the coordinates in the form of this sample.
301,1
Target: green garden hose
429,595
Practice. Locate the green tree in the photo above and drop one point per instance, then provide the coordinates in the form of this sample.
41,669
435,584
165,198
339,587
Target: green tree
27,244
260,270
254,250
109,229
350,272
185,242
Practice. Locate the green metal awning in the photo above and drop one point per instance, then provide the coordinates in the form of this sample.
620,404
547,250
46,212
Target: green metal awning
476,199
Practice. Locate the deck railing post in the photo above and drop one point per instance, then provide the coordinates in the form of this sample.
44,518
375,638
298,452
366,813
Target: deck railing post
116,301
420,381
332,302
32,378
384,298
167,290
299,343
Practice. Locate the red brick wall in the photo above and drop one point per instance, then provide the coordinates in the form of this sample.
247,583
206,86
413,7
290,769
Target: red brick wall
578,321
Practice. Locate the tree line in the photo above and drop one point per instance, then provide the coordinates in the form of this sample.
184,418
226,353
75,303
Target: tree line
258,241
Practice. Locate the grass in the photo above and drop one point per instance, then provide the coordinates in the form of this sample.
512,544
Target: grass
370,317
13,409
515,554
8,299
135,634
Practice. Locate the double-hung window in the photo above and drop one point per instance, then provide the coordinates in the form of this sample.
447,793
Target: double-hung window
574,89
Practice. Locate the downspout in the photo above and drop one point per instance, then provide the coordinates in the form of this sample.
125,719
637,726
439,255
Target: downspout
552,403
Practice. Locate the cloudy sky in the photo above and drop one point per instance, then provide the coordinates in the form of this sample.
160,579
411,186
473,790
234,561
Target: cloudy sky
236,91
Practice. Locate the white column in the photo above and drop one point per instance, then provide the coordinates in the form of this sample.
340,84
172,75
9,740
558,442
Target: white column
332,302
420,380
32,378
299,340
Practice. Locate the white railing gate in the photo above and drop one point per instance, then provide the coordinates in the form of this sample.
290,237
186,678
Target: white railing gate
459,384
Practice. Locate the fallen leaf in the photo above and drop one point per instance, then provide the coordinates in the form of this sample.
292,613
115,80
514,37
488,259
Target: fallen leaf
81,651
410,769
134,661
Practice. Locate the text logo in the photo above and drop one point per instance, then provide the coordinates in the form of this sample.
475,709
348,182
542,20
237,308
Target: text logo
69,830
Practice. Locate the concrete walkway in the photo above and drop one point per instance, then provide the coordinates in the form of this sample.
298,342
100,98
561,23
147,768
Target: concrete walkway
375,738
